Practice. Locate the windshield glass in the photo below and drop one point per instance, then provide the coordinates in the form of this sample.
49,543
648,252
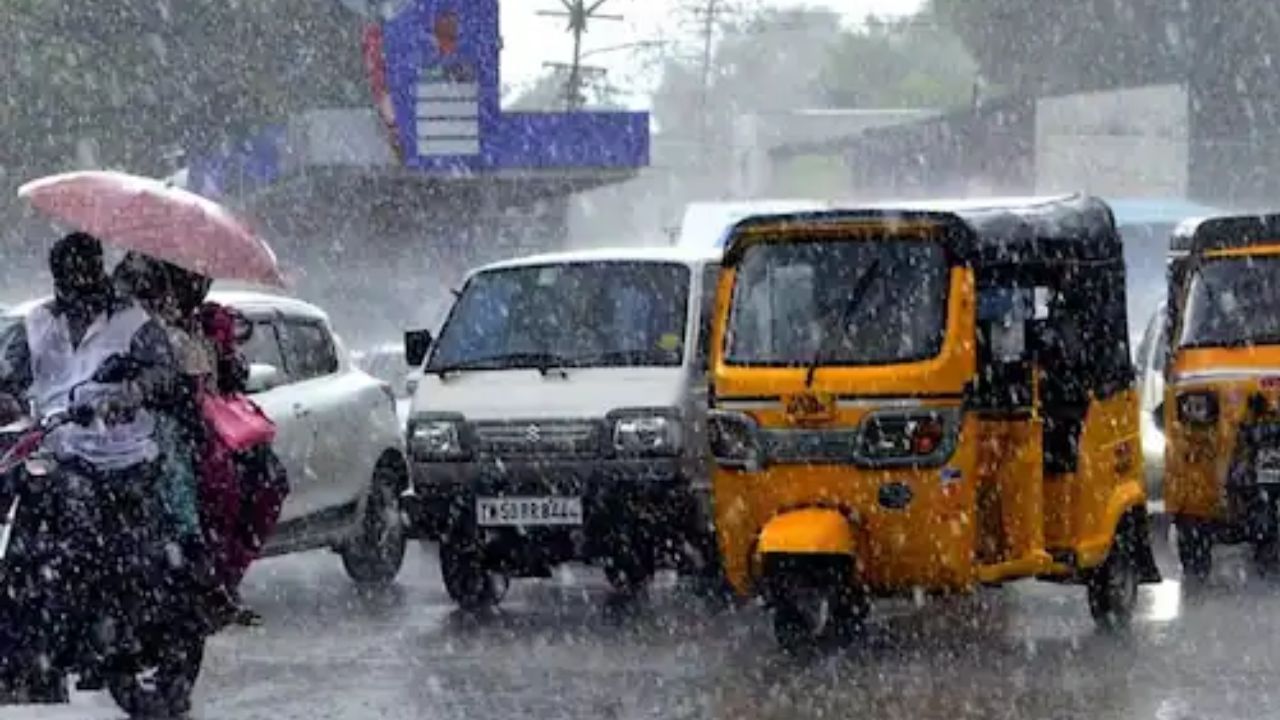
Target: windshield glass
598,314
1233,302
792,300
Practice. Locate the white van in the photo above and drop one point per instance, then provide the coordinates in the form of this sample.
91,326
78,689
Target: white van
559,417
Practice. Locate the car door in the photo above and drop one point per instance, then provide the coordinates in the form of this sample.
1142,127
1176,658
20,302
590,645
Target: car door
295,438
312,356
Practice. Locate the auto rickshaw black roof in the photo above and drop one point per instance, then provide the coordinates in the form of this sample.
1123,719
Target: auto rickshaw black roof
1071,229
1225,232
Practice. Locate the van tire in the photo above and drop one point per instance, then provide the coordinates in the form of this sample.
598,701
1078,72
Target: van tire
1113,585
470,584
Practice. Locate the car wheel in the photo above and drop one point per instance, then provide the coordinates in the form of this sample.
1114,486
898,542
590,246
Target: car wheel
1113,586
373,558
472,585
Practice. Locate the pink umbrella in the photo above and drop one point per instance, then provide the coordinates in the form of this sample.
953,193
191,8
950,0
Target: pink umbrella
157,219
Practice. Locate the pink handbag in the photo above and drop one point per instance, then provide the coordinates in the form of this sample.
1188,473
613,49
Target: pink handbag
237,422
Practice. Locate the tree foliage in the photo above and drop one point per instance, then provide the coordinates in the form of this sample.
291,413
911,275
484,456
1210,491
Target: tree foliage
141,78
1045,47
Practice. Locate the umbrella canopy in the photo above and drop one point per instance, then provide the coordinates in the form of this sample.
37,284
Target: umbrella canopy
156,219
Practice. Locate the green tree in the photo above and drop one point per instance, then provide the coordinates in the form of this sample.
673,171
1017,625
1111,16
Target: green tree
142,77
1044,47
908,63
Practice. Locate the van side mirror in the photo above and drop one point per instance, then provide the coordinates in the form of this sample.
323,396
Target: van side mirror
1157,417
263,377
416,345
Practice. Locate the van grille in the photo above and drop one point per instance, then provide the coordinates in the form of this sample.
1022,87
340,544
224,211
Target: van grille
538,438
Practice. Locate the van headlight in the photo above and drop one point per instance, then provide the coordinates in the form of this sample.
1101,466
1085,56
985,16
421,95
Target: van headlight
436,439
646,432
734,439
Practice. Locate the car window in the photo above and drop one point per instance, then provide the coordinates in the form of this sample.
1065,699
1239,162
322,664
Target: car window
263,348
309,349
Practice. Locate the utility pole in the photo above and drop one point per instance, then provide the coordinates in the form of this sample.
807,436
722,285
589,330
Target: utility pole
708,12
578,12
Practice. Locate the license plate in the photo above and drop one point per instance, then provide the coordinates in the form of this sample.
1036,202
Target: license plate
525,511
1269,477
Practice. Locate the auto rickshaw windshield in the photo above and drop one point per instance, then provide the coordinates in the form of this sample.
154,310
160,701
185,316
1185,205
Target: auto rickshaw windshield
793,303
1233,302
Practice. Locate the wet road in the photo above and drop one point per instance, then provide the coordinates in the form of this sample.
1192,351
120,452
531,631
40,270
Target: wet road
562,649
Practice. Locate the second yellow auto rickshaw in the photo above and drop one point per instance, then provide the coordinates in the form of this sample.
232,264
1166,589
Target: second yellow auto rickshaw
926,398
1221,410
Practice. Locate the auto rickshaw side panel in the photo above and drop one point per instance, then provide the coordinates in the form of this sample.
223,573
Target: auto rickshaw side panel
1108,483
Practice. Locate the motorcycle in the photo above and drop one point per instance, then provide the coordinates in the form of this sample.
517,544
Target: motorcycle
69,605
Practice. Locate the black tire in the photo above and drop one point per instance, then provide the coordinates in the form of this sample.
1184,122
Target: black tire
800,631
1195,552
1266,557
374,557
470,584
167,694
629,571
1113,586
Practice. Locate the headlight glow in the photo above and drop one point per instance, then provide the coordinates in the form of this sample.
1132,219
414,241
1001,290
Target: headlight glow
436,439
644,432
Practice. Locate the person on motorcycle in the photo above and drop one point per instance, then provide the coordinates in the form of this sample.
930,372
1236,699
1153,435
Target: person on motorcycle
89,346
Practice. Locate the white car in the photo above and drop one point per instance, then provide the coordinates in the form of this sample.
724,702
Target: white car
1150,361
387,363
336,434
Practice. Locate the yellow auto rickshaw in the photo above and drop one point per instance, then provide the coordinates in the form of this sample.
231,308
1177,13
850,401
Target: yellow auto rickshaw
925,398
1221,411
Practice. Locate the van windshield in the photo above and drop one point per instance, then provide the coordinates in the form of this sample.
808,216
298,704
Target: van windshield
1233,302
590,314
794,303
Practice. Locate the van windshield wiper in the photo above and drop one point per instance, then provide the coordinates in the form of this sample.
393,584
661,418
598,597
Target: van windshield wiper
856,296
542,362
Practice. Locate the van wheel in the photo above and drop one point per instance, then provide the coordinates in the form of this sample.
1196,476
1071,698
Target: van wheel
374,557
1113,586
469,583
1195,552
628,571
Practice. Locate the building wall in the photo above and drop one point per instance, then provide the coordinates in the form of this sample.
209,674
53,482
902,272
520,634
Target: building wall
1119,143
984,151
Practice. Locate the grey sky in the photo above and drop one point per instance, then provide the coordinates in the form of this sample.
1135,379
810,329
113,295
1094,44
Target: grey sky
529,39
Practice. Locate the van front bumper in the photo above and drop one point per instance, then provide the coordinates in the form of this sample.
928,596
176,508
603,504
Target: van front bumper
444,494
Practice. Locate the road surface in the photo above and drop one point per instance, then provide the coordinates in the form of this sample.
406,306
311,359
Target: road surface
564,649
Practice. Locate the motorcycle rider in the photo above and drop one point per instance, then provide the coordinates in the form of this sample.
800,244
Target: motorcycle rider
71,351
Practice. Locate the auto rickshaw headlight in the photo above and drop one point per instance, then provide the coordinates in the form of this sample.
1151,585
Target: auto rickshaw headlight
1198,408
911,436
734,439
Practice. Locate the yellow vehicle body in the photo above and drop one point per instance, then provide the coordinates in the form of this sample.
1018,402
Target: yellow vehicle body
1221,411
984,508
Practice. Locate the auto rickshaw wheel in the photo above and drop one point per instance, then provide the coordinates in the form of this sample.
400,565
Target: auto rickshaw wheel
1266,557
814,602
1113,586
1195,551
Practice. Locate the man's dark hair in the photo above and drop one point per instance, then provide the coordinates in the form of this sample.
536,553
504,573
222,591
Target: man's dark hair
76,255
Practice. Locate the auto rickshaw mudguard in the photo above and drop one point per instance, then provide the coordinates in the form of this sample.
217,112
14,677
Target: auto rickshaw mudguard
1127,505
807,531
